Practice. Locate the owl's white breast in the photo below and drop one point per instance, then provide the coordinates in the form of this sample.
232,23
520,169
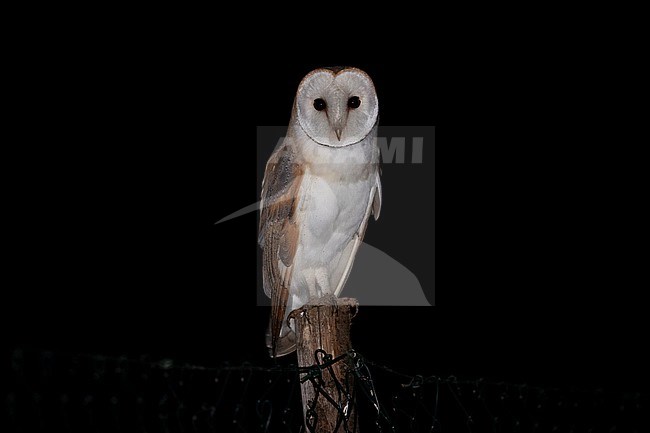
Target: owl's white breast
336,185
334,196
349,163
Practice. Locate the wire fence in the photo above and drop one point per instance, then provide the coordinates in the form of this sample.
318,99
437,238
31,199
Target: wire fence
50,391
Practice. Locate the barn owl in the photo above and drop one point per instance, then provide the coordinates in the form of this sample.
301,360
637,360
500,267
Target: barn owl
320,186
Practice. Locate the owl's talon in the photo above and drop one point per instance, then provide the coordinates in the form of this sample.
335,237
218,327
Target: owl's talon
327,299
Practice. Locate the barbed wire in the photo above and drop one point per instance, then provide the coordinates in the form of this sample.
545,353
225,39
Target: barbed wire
51,391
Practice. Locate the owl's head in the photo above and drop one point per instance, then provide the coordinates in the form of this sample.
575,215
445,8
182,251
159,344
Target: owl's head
337,106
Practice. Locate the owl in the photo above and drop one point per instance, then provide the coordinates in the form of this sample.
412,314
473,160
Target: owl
320,186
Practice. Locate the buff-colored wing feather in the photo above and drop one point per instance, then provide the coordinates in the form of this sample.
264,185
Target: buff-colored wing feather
279,232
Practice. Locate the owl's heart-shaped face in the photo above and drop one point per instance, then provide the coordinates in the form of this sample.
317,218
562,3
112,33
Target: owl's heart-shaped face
337,107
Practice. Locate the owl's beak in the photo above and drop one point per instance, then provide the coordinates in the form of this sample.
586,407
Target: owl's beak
338,124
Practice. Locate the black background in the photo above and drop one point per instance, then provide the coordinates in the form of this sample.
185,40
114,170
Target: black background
121,160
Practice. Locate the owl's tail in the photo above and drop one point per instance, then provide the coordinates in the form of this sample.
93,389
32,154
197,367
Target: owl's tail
284,344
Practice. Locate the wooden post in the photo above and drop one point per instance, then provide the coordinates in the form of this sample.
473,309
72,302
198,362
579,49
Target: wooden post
326,326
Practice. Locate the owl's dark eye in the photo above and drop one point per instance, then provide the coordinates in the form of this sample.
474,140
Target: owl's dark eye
319,104
354,102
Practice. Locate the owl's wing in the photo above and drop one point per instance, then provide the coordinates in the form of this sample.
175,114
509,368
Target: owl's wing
278,232
342,271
